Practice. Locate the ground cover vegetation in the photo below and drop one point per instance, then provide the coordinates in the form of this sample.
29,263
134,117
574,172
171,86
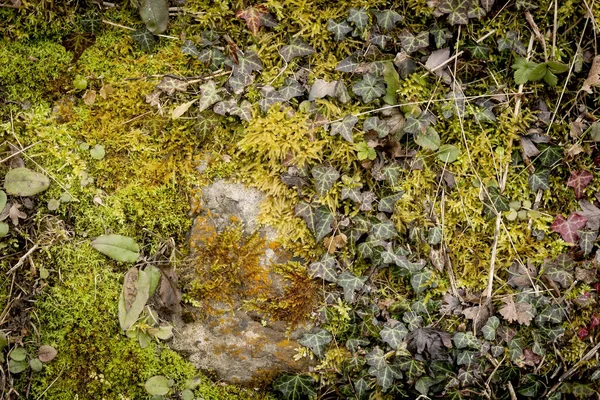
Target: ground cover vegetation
434,163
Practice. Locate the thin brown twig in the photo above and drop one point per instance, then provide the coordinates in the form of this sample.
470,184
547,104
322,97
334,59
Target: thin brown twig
107,22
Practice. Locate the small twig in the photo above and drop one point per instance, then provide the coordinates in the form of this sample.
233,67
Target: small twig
537,33
511,390
18,152
555,29
51,383
23,258
134,118
132,29
9,6
574,368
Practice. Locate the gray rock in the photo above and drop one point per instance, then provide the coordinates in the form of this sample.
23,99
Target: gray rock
239,345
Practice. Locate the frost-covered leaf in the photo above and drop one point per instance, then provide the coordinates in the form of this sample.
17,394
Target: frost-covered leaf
295,387
411,43
170,85
339,29
325,176
428,139
369,88
387,19
344,127
297,48
579,181
145,39
117,247
325,268
359,17
316,341
394,335
155,14
539,180
351,284
25,182
387,203
348,64
587,240
457,11
253,16
520,312
568,227
384,230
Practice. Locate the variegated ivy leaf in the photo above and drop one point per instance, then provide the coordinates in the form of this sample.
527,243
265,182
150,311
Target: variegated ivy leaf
291,89
366,200
394,335
559,275
376,358
348,64
421,280
324,223
367,249
359,17
465,357
412,43
369,88
351,284
270,96
341,92
189,48
413,368
540,179
489,329
237,83
325,176
339,29
487,4
511,41
384,230
355,344
391,173
325,268
387,203
476,11
386,375
388,256
225,107
170,85
377,125
344,127
145,39
586,241
552,313
361,388
248,62
379,40
457,10
463,340
209,95
387,19
352,194
515,348
297,48
412,320
434,236
295,387
244,111
440,36
316,341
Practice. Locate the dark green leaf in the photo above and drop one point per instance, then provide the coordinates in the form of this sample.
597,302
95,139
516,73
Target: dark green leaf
339,29
479,51
487,4
489,329
189,48
411,43
440,35
344,127
355,344
348,64
155,14
391,173
291,89
387,19
359,17
428,139
324,223
421,280
540,179
515,348
387,203
247,63
369,88
325,176
511,41
351,284
586,241
92,24
377,125
214,58
379,40
297,48
325,268
381,370
464,340
393,336
295,387
559,275
457,11
341,92
496,202
384,230
466,357
412,368
317,341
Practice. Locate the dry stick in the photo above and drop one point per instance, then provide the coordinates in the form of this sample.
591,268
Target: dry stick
16,153
537,33
511,390
574,368
23,258
489,289
132,29
454,57
555,29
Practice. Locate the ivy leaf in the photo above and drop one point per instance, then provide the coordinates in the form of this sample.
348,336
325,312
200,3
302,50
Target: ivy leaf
559,275
244,111
145,39
515,348
392,83
291,89
489,329
354,344
189,48
579,181
434,237
339,29
413,320
270,96
376,125
463,340
428,139
411,43
325,268
421,280
325,176
344,127
307,212
348,64
391,173
394,335
476,11
384,230
479,50
550,156
520,312
155,14
380,368
209,96
297,48
295,387
448,153
552,313
247,63
316,341
440,36
568,227
379,39
387,203
539,180
359,17
511,41
225,107
387,19
170,85
351,284
586,241
457,11
324,223
465,357
253,16
369,88
487,5
495,202
341,92
212,57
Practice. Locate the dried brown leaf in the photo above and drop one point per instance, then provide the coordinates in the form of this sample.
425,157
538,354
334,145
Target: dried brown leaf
519,312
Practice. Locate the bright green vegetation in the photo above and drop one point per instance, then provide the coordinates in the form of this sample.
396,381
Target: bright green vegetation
428,200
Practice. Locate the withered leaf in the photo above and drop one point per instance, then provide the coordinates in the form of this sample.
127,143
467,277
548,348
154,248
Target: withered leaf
520,312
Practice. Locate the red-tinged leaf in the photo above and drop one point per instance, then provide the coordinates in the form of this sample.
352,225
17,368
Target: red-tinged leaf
568,227
253,16
579,181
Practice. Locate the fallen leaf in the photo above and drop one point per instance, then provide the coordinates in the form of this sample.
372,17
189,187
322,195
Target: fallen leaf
46,353
568,227
530,358
106,90
321,88
333,243
89,97
519,312
579,181
181,109
253,16
14,214
593,78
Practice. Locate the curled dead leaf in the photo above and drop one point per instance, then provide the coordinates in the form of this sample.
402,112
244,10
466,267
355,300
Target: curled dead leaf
593,78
